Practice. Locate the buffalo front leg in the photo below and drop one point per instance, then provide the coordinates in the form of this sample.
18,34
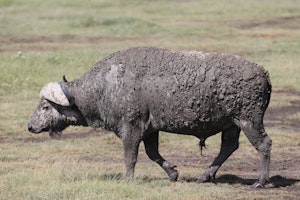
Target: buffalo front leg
151,146
230,142
131,143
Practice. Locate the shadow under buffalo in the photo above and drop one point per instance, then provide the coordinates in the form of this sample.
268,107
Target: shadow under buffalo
276,181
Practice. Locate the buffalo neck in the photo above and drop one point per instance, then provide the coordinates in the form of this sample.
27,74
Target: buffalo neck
86,97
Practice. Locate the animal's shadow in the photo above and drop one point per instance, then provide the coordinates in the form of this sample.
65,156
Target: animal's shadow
275,181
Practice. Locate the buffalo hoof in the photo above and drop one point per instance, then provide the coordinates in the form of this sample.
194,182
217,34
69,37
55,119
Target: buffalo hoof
172,173
205,178
257,185
174,176
209,174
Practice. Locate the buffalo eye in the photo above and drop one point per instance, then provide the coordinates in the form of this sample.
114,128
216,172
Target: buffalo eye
45,108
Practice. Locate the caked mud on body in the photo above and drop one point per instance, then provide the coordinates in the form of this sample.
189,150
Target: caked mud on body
140,91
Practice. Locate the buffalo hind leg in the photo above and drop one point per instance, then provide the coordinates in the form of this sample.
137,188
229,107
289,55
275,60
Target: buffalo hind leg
262,142
151,147
230,142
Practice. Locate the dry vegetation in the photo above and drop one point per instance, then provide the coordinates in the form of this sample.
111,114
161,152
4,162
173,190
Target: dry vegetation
41,41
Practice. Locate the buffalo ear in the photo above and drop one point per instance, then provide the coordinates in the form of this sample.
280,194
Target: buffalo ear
53,92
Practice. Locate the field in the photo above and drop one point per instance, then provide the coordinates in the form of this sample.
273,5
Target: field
42,40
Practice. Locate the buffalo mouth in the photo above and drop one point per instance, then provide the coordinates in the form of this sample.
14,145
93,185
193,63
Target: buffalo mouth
52,134
37,130
54,129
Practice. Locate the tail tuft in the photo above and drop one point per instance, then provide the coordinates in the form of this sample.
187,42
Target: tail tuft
202,144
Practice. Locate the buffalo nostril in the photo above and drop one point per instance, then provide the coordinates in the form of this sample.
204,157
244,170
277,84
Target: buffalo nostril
30,129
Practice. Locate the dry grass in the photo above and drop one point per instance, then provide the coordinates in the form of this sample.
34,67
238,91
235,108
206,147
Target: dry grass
41,41
92,167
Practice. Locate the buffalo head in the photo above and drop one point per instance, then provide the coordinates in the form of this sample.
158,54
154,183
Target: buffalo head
55,111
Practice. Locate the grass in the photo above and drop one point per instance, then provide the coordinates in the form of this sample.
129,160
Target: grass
41,41
70,169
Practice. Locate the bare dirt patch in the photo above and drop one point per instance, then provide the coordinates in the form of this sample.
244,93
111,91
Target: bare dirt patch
289,22
267,36
51,42
29,39
280,117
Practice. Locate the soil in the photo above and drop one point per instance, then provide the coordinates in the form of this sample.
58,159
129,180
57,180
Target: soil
50,43
279,117
289,22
